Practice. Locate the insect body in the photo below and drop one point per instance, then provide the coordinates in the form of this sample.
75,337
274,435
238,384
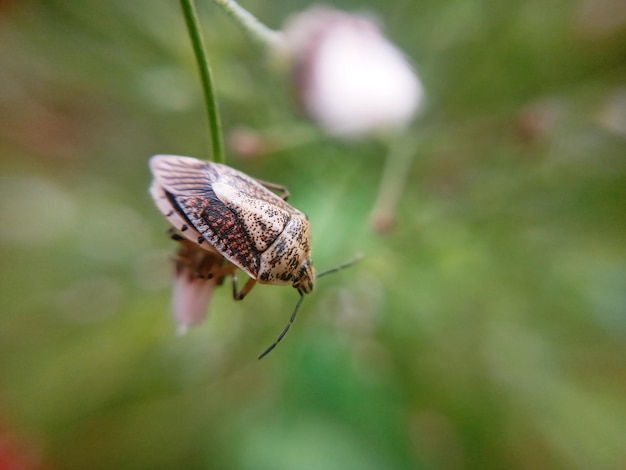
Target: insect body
222,210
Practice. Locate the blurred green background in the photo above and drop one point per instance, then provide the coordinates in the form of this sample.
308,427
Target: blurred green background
488,330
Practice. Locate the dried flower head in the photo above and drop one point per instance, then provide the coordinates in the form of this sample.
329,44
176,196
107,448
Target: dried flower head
197,273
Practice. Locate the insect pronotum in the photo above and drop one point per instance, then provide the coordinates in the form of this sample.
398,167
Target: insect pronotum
217,209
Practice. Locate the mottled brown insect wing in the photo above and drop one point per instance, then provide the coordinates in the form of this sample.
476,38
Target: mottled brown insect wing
262,221
182,175
235,214
170,209
189,183
222,228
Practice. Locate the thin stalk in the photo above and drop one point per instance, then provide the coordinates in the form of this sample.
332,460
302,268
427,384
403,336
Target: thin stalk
208,89
392,184
250,24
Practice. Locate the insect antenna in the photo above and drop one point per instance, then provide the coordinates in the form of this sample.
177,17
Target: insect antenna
297,307
287,326
347,264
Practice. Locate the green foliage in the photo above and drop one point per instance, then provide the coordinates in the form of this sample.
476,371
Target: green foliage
488,330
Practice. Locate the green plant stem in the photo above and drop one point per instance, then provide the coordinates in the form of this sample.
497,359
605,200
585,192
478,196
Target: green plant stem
392,184
251,26
210,100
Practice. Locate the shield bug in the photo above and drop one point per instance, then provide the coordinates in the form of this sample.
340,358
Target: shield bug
223,211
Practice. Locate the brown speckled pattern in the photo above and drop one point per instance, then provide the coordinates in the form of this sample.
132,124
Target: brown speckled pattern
248,224
222,228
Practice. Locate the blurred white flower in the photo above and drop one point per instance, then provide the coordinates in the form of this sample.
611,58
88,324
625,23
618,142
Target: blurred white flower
350,79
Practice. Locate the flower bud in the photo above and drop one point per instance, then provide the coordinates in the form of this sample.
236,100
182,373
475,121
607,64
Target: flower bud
350,79
194,284
190,300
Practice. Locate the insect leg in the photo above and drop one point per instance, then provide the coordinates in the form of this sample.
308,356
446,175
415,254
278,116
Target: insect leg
245,290
282,191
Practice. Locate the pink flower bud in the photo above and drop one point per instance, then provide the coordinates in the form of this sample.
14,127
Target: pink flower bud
350,79
198,273
190,299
